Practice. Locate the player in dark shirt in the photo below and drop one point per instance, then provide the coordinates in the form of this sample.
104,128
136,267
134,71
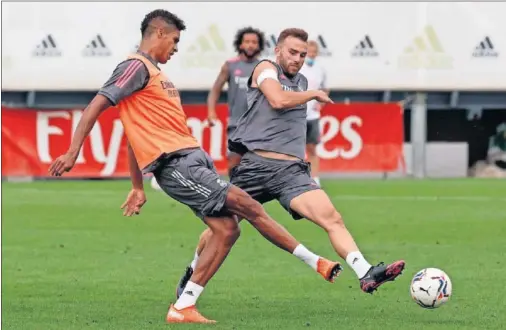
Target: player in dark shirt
249,43
271,136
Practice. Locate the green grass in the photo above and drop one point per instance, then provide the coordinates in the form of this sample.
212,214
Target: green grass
71,261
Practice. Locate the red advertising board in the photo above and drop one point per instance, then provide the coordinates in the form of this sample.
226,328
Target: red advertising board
361,137
355,137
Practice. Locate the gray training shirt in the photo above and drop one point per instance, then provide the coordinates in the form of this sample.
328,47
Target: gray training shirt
263,128
238,73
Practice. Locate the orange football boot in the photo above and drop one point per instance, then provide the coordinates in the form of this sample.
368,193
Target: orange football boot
186,315
328,269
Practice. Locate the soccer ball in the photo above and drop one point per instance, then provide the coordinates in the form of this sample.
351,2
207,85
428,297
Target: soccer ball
431,288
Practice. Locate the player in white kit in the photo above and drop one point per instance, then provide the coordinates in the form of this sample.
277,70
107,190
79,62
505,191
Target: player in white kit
317,80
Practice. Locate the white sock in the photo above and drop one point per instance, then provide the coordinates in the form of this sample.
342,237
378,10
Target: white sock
358,263
190,295
195,259
317,180
307,256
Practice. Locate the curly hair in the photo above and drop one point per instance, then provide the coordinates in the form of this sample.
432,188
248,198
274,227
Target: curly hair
240,35
166,16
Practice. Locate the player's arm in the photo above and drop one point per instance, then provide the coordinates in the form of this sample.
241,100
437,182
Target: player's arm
214,93
65,162
128,77
135,171
90,116
136,198
265,77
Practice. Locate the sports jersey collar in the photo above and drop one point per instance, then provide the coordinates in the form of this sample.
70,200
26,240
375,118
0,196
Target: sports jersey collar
155,63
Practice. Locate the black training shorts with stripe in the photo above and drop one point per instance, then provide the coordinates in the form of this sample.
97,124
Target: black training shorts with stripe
266,179
190,177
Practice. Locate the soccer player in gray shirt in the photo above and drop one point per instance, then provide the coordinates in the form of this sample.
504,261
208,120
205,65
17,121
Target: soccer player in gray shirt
249,43
271,136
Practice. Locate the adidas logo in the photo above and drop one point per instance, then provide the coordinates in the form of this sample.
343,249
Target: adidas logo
270,44
271,41
210,41
485,49
364,48
47,47
96,47
425,52
208,50
323,49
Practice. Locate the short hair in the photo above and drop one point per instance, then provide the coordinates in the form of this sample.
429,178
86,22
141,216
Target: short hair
239,36
293,32
164,15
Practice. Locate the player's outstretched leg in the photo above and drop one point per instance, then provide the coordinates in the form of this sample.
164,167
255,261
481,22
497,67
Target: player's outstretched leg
242,204
316,206
223,233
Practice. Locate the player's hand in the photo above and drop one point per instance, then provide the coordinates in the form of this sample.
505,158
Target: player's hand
322,97
211,118
64,163
133,203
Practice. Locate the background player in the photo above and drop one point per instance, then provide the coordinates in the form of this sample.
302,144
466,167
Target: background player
317,79
271,136
160,142
248,43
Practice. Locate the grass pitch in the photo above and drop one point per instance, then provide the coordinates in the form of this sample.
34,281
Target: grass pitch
71,261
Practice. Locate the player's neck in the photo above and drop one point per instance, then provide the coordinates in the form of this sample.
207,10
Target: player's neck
147,49
290,76
246,58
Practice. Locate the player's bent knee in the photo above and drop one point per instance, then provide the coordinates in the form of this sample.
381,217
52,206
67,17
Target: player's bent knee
228,233
331,220
232,235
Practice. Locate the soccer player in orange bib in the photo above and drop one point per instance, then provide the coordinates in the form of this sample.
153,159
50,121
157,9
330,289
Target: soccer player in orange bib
160,142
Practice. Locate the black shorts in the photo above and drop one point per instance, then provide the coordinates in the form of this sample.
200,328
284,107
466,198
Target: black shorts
313,131
266,179
191,179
